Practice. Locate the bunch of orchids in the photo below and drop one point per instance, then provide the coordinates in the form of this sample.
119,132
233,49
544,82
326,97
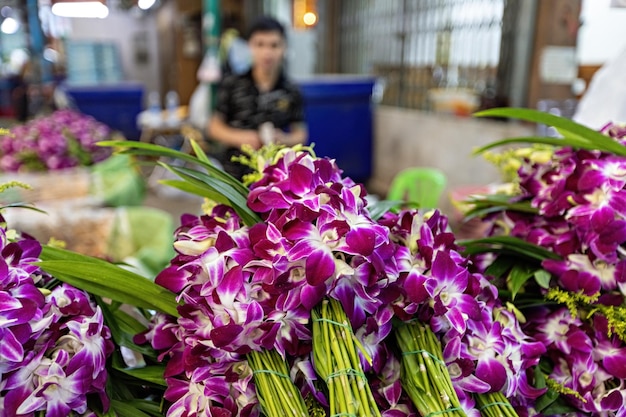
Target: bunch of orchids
54,341
558,248
66,323
301,284
63,139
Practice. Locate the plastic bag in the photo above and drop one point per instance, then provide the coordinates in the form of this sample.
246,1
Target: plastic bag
209,71
200,107
605,99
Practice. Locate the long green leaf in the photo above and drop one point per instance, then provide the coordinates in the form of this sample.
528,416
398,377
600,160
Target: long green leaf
23,206
107,280
153,374
378,208
508,244
500,266
482,205
124,328
125,409
147,406
149,149
190,188
237,201
577,132
535,139
197,149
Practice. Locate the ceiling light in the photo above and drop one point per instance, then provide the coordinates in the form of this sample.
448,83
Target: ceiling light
9,26
145,4
309,18
88,9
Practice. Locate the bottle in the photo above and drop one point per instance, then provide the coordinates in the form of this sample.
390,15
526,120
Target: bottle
171,104
154,109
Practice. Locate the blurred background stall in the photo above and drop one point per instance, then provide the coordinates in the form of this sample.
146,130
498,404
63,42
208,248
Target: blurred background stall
387,85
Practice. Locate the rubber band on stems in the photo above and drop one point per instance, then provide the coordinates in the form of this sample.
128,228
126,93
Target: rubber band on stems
422,351
448,410
269,371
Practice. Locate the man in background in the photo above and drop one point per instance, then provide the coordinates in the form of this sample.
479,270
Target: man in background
260,106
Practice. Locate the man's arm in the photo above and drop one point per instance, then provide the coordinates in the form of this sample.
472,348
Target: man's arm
220,131
298,134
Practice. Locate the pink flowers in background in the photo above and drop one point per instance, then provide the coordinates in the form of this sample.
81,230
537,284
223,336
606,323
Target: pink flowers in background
64,139
248,288
54,343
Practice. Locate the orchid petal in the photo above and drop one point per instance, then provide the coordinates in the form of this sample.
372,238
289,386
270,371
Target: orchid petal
492,372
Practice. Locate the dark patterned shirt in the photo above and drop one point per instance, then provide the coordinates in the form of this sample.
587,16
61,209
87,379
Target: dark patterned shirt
243,106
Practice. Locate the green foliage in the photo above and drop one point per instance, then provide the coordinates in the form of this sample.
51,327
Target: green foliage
213,183
105,279
575,135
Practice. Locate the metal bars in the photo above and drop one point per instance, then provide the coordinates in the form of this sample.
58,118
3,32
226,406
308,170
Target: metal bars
421,45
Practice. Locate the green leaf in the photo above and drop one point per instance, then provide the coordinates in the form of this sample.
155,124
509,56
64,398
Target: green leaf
152,374
188,187
23,206
197,149
378,208
104,279
149,149
507,244
520,273
204,189
543,278
546,400
559,408
148,406
500,266
575,134
126,409
123,329
535,140
237,201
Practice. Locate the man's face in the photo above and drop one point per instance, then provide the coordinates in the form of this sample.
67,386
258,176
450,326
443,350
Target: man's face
267,49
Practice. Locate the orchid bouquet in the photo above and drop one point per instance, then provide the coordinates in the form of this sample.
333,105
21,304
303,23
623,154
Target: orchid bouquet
66,340
299,298
556,248
294,296
64,139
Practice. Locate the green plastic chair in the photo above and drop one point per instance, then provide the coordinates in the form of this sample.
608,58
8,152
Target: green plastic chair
420,186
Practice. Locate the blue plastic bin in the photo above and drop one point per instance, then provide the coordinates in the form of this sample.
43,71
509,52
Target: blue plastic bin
338,112
116,105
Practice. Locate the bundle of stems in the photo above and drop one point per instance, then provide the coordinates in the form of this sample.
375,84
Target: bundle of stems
424,375
277,394
494,404
337,362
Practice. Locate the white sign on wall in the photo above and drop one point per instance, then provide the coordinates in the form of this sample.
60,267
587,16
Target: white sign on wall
558,65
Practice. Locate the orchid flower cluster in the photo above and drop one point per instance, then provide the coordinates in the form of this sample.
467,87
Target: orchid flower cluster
63,139
54,343
579,201
248,288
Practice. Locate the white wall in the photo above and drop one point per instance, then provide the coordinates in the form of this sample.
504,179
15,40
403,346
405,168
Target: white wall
407,138
603,33
121,27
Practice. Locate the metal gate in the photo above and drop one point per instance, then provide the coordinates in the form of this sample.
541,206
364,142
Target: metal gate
424,47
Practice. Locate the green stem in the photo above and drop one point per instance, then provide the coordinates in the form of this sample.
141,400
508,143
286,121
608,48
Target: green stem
494,404
337,362
277,394
424,376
